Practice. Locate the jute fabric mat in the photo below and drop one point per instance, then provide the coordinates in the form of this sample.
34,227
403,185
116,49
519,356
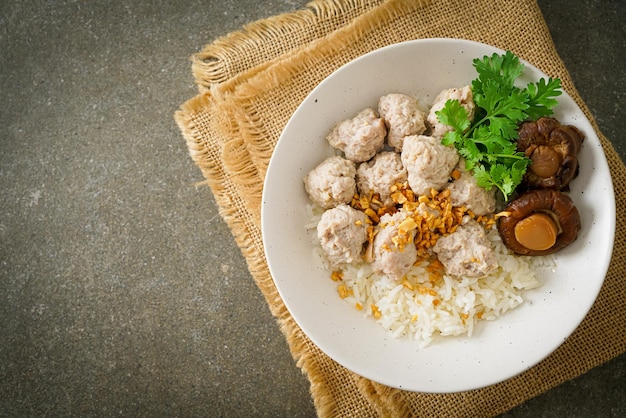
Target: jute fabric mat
251,81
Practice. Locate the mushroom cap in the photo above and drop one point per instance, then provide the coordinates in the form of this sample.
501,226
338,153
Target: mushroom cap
558,205
553,149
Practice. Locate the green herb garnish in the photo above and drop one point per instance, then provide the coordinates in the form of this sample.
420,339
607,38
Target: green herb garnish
488,143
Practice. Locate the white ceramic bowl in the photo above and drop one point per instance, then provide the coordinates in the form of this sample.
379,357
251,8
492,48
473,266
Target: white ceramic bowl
498,349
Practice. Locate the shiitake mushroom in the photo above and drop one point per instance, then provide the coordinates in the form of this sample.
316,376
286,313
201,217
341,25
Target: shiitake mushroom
539,222
553,150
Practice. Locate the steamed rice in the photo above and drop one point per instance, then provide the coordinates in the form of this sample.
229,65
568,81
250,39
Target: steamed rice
426,305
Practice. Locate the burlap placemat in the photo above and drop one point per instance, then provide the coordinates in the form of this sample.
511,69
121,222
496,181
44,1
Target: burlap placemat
250,83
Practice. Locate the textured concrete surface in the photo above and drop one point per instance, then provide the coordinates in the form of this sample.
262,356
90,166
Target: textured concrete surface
121,289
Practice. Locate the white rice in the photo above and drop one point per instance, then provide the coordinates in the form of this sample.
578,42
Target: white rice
422,310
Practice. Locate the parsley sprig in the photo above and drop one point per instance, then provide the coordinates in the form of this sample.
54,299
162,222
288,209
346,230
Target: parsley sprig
488,142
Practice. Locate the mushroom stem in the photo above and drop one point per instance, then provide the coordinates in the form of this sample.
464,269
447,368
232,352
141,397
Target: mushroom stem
537,232
545,161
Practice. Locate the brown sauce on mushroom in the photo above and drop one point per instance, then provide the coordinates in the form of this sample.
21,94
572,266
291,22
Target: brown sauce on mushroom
539,222
553,149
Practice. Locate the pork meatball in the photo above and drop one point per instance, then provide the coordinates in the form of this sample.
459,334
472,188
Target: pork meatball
428,163
332,182
379,174
402,118
394,248
463,95
342,231
467,252
361,137
465,191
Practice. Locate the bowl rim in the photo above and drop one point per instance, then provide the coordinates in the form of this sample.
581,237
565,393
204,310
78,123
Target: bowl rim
278,276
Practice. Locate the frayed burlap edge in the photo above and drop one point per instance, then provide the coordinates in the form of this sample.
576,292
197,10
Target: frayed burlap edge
228,57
